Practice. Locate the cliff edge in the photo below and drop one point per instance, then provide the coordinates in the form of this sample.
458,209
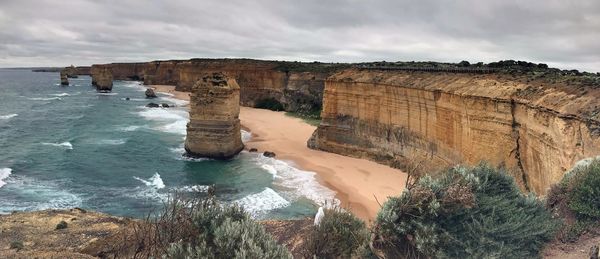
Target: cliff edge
535,129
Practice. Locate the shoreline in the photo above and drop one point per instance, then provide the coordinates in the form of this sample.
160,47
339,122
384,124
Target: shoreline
361,185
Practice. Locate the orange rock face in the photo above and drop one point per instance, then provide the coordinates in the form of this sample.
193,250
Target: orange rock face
214,127
102,77
537,132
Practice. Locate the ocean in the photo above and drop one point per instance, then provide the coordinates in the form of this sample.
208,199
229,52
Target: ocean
64,147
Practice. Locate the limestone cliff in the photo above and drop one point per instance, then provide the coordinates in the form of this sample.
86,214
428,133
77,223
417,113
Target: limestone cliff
214,127
537,131
297,86
102,77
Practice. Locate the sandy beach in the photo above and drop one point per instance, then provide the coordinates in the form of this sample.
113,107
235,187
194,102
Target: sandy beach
360,184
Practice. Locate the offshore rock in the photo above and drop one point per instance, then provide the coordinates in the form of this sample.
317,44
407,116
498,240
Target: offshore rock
150,93
64,78
102,77
70,72
214,127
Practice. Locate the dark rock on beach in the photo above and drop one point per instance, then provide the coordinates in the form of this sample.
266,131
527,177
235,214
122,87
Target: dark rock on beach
153,105
269,154
150,93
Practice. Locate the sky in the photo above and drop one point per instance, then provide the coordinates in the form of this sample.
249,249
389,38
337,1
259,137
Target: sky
561,33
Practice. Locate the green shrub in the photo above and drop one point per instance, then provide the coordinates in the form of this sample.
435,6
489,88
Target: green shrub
472,213
16,245
227,232
339,235
576,200
61,225
269,104
583,190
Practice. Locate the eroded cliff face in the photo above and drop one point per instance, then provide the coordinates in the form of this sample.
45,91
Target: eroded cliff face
102,77
214,127
536,131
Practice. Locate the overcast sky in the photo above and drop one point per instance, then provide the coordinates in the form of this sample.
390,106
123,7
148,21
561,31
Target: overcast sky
562,33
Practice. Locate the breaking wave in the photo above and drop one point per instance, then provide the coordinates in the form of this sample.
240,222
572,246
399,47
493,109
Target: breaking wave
66,144
155,181
8,116
261,202
4,173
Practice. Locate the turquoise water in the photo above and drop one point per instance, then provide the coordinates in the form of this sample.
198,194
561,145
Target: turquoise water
63,147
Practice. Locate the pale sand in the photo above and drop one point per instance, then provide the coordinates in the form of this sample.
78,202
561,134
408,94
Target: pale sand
360,184
171,89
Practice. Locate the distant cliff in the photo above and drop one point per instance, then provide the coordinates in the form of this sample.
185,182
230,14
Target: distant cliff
399,117
297,86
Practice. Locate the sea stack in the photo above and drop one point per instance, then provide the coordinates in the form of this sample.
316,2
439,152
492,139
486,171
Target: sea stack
103,79
214,127
63,78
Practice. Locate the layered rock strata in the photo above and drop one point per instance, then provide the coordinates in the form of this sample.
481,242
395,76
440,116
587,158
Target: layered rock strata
399,117
297,89
102,77
214,127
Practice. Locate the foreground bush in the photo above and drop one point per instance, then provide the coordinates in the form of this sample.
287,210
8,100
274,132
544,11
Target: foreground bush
198,228
473,213
228,232
577,199
339,235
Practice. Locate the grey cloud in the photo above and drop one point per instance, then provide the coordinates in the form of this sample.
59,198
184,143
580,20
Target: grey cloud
45,33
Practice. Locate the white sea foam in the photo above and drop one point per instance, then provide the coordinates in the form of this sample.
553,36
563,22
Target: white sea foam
4,173
155,181
135,85
246,136
177,127
64,94
108,93
296,183
136,99
193,188
261,202
130,128
8,116
176,101
66,144
172,120
43,195
44,98
111,141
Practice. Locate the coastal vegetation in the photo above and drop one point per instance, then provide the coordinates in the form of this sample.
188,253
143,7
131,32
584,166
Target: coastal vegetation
471,212
467,212
576,200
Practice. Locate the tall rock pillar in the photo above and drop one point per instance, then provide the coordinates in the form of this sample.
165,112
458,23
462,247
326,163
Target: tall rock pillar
214,127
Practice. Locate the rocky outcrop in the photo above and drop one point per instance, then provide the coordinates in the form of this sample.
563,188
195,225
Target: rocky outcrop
536,131
214,127
70,72
86,236
150,93
102,77
64,80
